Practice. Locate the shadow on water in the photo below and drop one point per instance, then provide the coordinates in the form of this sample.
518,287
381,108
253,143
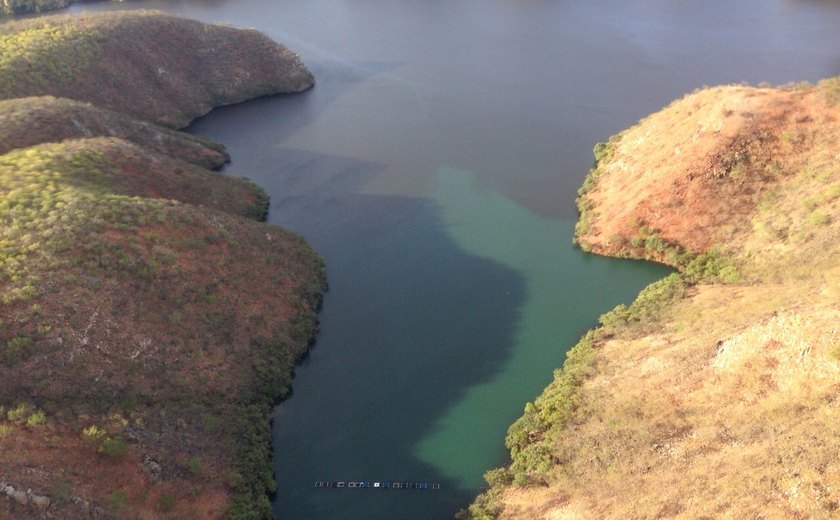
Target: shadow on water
261,124
411,322
411,376
429,329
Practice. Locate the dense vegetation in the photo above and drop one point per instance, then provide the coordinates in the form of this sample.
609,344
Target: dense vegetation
148,319
32,6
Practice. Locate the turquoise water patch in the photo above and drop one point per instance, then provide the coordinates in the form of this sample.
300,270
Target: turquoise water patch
566,290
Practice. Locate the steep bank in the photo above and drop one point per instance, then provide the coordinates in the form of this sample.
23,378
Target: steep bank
149,319
145,64
713,395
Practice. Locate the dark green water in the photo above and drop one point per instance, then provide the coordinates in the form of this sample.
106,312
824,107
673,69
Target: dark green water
434,166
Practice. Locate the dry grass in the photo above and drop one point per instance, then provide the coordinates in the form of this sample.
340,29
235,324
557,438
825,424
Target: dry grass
726,406
703,426
693,173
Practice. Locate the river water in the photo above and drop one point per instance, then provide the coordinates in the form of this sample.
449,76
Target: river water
434,167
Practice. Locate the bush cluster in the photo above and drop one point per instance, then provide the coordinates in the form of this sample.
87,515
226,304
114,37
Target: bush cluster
32,6
603,152
651,302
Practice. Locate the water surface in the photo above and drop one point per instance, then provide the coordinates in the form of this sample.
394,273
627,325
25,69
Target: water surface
434,166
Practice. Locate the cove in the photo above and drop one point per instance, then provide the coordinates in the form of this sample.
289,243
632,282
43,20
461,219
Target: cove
434,167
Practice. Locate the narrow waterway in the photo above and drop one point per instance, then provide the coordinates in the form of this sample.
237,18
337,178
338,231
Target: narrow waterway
434,166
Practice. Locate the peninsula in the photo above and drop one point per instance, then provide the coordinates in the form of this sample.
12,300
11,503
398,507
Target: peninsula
714,394
148,318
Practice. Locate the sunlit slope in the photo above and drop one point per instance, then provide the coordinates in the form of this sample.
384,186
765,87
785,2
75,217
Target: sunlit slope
146,64
715,393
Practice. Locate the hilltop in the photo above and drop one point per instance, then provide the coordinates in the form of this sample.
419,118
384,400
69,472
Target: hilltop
145,64
149,319
714,393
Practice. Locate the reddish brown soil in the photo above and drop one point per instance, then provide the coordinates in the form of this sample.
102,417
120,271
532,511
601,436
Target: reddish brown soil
718,402
694,172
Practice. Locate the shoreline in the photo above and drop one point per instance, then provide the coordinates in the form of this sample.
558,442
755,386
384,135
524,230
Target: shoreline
672,405
194,431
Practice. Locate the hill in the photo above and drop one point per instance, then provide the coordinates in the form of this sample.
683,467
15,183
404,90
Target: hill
141,329
25,122
145,64
713,394
148,319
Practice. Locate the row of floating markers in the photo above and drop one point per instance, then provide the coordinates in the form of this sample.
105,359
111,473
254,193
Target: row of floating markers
379,485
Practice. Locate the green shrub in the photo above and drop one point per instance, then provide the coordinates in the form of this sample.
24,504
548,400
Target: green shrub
93,432
498,477
818,219
649,304
19,412
529,437
655,243
37,418
113,447
711,267
830,89
17,349
30,6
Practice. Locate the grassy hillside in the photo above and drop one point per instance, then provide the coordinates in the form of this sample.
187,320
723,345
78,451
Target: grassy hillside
714,394
139,328
148,319
29,121
146,64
